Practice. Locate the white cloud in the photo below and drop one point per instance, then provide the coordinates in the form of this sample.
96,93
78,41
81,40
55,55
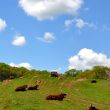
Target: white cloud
47,38
48,9
25,65
19,41
68,23
87,58
2,24
79,23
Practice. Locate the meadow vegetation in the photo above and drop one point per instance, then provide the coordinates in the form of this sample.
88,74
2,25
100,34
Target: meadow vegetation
81,93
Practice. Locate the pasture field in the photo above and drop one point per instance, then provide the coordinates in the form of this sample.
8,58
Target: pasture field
80,94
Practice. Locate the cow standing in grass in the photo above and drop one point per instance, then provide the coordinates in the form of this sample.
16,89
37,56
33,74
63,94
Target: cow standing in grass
54,74
21,88
59,97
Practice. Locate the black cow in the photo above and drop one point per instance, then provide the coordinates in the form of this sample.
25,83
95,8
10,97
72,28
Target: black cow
54,74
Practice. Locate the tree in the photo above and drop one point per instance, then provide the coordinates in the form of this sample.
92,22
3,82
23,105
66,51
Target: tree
100,72
72,72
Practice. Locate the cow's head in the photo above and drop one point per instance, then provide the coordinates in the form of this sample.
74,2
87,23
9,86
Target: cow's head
63,94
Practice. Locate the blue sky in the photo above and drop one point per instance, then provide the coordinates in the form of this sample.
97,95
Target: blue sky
55,38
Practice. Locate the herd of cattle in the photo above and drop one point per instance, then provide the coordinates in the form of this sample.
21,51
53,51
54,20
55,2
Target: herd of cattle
59,97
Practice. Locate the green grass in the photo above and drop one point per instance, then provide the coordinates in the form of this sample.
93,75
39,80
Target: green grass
80,94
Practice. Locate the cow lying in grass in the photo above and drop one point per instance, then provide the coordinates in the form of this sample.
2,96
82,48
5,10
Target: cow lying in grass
21,88
92,108
33,87
59,97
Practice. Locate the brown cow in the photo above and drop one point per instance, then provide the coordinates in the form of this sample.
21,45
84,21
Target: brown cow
92,108
59,97
21,88
33,87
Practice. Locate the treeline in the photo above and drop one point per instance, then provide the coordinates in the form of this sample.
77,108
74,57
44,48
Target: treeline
8,72
98,72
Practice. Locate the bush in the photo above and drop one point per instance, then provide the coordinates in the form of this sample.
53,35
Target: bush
6,72
98,72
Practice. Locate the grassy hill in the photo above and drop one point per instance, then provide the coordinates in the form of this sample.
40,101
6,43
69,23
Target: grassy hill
80,93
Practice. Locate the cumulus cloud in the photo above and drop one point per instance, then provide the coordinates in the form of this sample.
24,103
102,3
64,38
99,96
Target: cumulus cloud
68,22
87,58
25,65
48,9
2,24
47,38
79,23
19,41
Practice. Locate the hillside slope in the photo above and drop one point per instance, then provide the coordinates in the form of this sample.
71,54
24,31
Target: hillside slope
80,94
